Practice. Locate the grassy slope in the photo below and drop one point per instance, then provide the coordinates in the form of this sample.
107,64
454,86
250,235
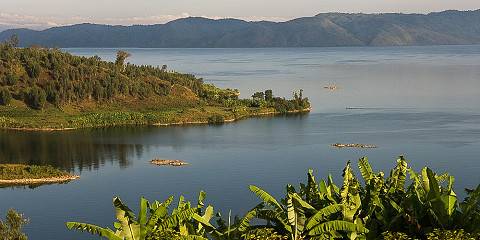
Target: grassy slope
134,112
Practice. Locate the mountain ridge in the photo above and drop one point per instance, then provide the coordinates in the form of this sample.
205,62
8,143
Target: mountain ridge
321,30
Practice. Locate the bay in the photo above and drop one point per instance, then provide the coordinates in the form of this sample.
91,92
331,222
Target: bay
421,102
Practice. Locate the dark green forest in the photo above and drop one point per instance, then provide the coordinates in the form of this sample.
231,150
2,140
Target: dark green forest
38,75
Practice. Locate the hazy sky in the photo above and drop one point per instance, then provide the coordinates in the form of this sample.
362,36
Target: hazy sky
44,13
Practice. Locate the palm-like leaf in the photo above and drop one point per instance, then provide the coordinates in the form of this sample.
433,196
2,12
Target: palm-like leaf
93,229
398,175
365,169
350,197
175,219
322,214
265,196
336,225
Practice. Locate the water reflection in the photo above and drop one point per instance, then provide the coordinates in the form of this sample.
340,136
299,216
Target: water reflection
71,151
89,149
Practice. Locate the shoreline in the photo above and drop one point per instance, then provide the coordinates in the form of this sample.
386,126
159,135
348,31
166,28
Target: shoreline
231,120
29,181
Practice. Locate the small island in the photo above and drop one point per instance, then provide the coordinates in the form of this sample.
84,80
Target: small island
19,174
353,145
48,89
331,87
166,162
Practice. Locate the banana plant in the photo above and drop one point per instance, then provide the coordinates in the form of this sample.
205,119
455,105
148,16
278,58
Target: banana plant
322,194
128,226
350,194
154,219
469,218
433,200
382,198
297,218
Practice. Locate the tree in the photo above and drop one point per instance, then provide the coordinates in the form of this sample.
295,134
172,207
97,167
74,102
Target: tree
5,96
11,79
37,98
121,57
11,229
268,95
258,96
13,41
164,68
33,69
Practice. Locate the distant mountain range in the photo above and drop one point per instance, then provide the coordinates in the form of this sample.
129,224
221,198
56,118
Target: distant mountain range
322,30
4,27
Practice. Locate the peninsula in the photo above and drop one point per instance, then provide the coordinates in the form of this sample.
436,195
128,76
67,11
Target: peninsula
48,89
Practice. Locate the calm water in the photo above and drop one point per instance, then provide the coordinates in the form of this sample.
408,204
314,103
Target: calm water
419,101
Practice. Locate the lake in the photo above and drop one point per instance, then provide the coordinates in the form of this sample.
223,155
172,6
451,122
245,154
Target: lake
421,102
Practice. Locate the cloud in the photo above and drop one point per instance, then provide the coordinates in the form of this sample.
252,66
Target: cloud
42,22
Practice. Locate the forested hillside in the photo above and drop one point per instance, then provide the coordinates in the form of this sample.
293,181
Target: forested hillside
39,75
322,30
42,87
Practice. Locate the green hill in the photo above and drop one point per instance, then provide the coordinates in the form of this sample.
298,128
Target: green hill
44,88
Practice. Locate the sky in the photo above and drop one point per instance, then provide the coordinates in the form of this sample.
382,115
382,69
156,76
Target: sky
39,14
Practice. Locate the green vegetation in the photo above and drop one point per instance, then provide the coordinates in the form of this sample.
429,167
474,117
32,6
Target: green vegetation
11,229
376,207
49,89
19,171
154,221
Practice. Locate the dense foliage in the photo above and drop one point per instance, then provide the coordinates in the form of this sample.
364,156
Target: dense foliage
11,228
380,208
36,75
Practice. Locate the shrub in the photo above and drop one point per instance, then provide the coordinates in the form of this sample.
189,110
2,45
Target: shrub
11,79
11,229
37,98
33,69
5,96
216,119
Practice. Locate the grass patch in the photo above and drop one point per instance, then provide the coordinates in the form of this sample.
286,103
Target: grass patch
20,171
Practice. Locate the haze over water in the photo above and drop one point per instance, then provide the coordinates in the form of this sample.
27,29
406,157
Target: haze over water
419,101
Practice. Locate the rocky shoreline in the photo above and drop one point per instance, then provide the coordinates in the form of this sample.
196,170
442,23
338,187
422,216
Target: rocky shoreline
353,145
167,162
269,113
30,181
